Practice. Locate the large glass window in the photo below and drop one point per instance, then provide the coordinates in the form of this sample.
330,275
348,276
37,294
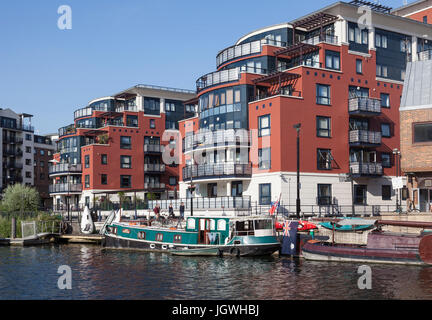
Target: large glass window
380,41
381,71
323,127
360,192
323,94
422,132
264,158
332,60
385,100
358,36
125,162
264,125
125,142
324,194
265,194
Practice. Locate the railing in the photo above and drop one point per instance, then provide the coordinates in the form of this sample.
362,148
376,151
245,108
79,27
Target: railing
13,140
13,152
149,167
21,127
65,187
256,70
65,168
126,108
147,86
221,203
217,170
366,168
364,104
70,129
425,55
154,185
13,178
217,138
153,148
218,77
363,136
12,165
238,51
322,38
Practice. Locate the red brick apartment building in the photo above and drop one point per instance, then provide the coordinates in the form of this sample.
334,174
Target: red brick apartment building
340,80
115,145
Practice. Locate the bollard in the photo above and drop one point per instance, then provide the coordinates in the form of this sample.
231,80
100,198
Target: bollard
13,231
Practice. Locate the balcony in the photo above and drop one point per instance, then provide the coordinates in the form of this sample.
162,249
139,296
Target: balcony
65,188
217,170
153,148
13,179
65,168
327,38
366,168
364,138
12,165
154,186
219,138
13,140
154,168
13,152
363,106
205,203
70,129
218,77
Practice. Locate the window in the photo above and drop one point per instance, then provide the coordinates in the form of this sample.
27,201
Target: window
104,159
172,181
125,142
125,181
323,127
360,192
264,158
265,194
324,194
28,149
359,66
264,125
132,121
380,41
152,124
28,174
385,130
28,162
87,181
386,192
386,160
87,161
385,100
170,107
125,162
104,179
237,189
177,238
358,36
332,60
159,237
42,152
405,45
42,176
141,235
422,132
381,71
323,94
28,137
324,159
42,164
425,19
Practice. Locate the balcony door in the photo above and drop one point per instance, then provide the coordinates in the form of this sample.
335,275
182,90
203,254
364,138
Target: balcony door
360,194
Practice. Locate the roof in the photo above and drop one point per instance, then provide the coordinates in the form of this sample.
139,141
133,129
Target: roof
406,6
417,89
157,91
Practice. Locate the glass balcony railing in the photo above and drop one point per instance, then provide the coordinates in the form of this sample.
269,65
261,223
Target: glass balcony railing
150,167
65,168
327,38
217,170
154,185
154,148
364,106
359,137
65,187
218,77
204,203
366,168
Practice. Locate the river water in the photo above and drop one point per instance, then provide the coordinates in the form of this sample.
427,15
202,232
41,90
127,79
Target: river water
32,273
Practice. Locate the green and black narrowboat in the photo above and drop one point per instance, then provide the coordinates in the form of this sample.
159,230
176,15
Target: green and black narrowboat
212,236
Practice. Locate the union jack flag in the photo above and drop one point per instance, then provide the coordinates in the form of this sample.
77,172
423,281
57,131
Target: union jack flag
287,228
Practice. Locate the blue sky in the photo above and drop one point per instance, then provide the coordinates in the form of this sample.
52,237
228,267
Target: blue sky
114,45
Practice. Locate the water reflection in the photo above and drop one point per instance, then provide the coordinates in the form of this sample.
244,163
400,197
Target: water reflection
31,273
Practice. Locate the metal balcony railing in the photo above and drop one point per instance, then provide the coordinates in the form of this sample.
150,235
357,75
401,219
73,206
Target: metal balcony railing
12,165
238,51
366,168
364,105
217,170
13,140
219,203
13,152
364,137
153,148
154,185
65,168
149,167
65,187
322,38
218,77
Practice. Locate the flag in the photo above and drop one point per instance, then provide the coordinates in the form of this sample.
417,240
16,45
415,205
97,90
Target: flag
275,206
289,239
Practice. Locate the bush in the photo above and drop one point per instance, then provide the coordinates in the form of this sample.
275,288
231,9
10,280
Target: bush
20,198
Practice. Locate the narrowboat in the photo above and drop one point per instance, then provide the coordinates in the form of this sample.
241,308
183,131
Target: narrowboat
381,247
201,236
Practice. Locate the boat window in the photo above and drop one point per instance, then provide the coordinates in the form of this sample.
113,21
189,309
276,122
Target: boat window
212,224
221,225
141,235
263,224
114,230
159,237
177,238
191,223
126,231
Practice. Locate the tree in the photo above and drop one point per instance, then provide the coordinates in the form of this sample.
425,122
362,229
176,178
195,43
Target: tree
20,198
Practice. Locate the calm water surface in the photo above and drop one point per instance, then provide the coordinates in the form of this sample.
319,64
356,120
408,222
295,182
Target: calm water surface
31,273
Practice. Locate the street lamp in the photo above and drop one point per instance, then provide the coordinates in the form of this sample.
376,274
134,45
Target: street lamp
191,190
297,127
397,154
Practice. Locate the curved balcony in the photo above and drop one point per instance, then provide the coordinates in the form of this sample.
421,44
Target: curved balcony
364,106
234,52
364,138
65,188
359,169
65,168
217,170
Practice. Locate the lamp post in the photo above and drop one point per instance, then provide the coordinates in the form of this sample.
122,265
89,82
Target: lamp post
191,190
397,154
297,127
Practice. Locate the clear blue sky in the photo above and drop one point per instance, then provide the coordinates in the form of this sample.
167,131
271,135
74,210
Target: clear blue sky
116,44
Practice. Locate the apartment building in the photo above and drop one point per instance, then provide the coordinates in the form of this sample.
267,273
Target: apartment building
43,151
342,81
116,144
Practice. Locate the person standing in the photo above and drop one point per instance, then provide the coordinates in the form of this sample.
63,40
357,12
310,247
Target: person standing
156,211
182,210
171,211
